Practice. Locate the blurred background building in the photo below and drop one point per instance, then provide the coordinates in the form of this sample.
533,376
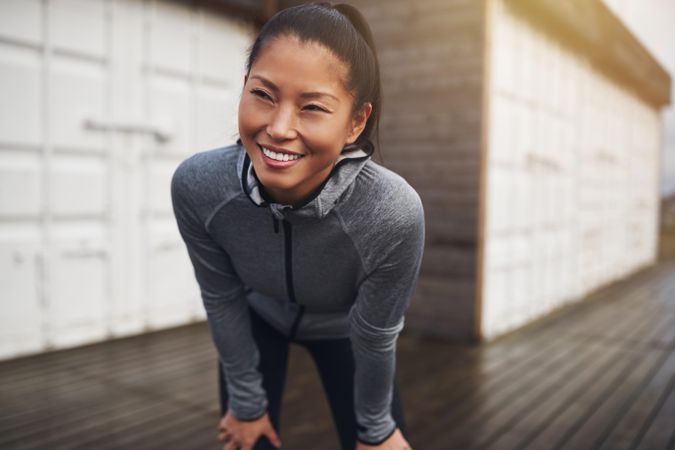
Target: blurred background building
531,129
101,101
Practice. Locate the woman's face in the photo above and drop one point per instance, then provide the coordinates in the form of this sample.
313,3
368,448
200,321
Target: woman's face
296,115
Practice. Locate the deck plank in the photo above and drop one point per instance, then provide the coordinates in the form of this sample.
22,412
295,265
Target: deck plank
598,375
631,428
660,431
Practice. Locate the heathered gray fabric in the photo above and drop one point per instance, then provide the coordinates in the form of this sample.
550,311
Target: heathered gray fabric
356,253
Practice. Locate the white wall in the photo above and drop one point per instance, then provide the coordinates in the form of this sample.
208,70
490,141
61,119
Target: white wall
88,243
572,177
653,23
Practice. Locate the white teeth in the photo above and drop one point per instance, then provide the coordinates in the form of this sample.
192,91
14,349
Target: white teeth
279,156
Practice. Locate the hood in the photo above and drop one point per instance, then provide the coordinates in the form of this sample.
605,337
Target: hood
321,201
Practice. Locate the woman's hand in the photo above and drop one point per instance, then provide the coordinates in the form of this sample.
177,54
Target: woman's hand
242,435
395,442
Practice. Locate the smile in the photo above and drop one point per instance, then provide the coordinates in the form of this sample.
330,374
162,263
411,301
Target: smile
279,156
279,160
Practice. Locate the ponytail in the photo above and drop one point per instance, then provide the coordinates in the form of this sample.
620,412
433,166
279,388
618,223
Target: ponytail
361,25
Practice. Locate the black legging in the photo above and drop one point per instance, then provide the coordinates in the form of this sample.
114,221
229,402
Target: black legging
335,363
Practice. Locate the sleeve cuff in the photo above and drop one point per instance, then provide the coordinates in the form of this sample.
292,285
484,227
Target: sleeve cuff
378,442
251,419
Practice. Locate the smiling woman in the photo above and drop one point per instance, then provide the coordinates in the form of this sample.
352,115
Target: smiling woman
296,116
336,270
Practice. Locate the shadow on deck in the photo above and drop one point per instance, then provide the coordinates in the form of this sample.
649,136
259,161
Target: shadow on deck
599,375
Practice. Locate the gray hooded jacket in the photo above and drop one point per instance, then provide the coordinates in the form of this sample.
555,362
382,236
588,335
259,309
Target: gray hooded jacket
342,264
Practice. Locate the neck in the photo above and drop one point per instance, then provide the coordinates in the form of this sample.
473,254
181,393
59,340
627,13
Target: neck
298,195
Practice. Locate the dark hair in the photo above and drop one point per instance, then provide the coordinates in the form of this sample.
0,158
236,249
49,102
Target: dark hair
342,29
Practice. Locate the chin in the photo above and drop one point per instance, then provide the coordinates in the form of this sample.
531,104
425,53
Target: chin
280,182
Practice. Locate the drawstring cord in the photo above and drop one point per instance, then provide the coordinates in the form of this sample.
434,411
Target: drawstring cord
277,214
276,223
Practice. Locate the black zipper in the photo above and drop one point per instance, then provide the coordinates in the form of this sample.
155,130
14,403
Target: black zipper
296,322
288,241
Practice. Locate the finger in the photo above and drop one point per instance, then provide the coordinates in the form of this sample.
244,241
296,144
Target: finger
273,437
225,437
222,429
221,423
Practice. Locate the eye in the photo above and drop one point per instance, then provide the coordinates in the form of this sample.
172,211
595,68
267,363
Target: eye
314,107
261,94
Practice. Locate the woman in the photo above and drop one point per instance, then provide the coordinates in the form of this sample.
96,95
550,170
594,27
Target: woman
296,235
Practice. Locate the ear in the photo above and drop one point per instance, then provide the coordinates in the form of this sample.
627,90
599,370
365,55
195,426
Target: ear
358,122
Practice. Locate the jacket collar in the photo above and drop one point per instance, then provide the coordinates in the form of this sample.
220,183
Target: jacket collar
321,201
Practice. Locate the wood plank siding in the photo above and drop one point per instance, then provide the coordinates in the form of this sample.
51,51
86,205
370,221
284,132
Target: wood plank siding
431,55
599,375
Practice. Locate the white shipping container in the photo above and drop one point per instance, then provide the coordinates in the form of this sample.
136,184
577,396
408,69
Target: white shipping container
101,100
584,195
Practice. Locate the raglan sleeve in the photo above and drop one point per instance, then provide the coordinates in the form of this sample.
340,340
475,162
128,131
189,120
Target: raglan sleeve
223,296
377,318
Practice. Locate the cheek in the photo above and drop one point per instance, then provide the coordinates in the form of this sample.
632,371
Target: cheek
322,138
326,133
248,116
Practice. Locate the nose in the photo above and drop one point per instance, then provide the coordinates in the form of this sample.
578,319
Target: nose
282,125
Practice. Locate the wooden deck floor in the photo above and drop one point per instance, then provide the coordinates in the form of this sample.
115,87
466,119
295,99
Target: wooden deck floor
600,375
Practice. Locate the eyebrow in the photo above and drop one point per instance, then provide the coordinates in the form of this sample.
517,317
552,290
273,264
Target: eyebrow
274,87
